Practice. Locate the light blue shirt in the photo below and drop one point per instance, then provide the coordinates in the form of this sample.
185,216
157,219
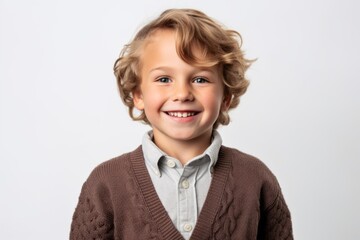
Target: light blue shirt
181,189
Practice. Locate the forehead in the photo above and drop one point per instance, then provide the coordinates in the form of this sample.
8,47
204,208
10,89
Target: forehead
161,50
160,40
189,50
160,36
158,47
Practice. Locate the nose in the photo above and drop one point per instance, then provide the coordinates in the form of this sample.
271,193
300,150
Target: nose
182,92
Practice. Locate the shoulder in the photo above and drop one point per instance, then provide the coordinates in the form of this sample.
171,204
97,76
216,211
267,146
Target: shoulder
251,173
113,169
245,162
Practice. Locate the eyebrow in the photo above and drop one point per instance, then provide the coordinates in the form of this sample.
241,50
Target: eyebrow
160,68
203,69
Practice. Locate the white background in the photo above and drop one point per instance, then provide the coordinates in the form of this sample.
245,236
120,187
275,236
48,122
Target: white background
60,113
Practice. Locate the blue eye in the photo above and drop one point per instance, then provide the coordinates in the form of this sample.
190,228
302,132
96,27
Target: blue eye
163,80
200,80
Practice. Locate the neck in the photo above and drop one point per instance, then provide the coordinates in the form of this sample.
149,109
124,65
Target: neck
185,150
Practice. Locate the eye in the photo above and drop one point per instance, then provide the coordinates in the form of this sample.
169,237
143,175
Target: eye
163,80
200,80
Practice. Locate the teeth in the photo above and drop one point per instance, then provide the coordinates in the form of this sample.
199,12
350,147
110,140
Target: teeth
181,114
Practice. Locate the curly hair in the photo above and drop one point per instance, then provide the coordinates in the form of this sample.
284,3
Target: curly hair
220,46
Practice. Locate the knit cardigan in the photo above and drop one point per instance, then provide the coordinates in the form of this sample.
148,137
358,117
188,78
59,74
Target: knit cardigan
244,202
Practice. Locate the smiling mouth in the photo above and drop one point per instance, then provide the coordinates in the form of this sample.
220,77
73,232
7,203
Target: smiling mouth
181,114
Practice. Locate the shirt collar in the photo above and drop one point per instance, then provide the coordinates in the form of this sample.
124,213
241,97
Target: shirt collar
153,154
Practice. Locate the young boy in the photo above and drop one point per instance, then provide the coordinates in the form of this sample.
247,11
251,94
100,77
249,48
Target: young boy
182,72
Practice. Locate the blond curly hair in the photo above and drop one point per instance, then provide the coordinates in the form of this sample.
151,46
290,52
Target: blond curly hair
220,46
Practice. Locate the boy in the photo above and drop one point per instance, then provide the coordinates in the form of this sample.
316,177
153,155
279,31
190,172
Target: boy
182,72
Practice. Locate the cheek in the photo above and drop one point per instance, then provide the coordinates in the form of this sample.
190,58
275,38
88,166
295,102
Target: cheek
213,101
153,101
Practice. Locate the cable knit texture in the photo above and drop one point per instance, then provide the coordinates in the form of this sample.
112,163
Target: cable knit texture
119,201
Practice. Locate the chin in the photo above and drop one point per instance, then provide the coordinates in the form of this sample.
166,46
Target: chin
186,136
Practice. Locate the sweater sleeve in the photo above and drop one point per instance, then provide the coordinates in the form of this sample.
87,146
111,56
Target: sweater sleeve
90,220
275,222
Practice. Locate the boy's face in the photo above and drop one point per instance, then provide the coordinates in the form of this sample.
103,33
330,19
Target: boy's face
181,102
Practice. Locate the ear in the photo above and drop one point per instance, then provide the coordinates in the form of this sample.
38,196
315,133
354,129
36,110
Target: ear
226,103
138,99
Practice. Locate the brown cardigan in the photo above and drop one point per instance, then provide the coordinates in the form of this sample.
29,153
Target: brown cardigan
119,201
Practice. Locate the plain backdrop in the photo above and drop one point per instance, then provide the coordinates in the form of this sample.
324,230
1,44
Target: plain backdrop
60,113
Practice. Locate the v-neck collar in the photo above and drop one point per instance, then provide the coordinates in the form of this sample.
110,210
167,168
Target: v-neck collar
211,206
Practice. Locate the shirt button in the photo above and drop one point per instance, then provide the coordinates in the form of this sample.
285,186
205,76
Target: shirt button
185,184
187,227
170,163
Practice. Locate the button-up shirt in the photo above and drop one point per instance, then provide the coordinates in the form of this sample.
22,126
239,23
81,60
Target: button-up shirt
181,189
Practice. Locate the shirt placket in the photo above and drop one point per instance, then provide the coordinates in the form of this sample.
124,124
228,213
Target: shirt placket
187,205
